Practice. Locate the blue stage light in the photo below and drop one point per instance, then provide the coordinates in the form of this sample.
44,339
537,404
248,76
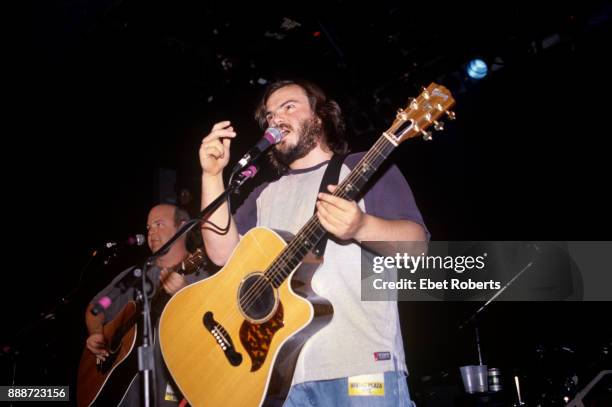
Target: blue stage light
477,69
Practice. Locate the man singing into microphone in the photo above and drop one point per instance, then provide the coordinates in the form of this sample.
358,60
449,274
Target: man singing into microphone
363,338
163,222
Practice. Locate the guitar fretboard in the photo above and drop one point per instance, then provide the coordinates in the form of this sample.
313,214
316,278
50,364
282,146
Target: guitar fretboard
312,232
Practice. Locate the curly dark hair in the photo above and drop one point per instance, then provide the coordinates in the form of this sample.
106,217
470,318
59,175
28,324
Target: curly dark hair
326,109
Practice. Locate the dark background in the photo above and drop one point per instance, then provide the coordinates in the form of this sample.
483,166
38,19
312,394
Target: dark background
106,94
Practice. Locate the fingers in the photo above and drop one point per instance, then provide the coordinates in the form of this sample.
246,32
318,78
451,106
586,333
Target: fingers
169,287
102,356
329,217
338,216
172,282
226,143
221,125
97,346
221,130
332,225
215,148
336,201
216,144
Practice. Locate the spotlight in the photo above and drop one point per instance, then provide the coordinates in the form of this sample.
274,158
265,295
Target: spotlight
477,69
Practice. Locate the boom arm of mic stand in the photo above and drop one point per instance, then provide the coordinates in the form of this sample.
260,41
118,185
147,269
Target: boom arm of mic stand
501,290
231,188
497,294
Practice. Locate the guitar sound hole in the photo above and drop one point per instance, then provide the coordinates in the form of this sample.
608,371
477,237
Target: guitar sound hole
257,298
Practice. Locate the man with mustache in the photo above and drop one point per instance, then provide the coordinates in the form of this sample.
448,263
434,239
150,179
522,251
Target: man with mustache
364,337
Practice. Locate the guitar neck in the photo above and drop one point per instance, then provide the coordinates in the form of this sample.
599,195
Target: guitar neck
420,114
160,298
312,232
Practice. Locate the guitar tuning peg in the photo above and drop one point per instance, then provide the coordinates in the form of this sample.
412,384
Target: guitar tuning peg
426,135
401,115
438,126
413,103
451,115
425,93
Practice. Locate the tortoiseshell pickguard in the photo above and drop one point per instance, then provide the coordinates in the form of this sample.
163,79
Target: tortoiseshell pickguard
256,338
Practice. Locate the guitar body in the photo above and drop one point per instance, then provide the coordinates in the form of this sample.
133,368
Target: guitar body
106,383
221,355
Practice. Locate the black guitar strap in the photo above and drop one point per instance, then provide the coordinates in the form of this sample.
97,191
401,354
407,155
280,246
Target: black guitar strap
331,176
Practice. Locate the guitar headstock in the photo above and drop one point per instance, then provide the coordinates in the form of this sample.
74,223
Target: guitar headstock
421,113
192,263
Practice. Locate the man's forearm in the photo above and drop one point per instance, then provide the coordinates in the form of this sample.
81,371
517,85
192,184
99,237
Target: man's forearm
379,230
218,243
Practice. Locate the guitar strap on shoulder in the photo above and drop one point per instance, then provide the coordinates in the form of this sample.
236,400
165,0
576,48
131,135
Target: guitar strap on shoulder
331,176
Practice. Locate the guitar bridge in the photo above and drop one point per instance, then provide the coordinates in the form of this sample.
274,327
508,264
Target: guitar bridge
222,338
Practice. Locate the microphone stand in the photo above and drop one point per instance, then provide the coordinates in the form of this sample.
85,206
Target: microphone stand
473,318
145,350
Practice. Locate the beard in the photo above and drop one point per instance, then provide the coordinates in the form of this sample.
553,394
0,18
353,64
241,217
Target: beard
309,133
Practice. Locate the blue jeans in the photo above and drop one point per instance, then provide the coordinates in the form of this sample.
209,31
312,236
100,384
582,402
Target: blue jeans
334,393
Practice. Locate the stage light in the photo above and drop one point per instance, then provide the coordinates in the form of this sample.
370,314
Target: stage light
477,69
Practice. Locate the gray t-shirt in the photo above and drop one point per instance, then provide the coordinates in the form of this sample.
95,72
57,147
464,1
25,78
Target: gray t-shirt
363,337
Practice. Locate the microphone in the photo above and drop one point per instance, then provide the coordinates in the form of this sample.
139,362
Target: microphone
271,136
136,240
